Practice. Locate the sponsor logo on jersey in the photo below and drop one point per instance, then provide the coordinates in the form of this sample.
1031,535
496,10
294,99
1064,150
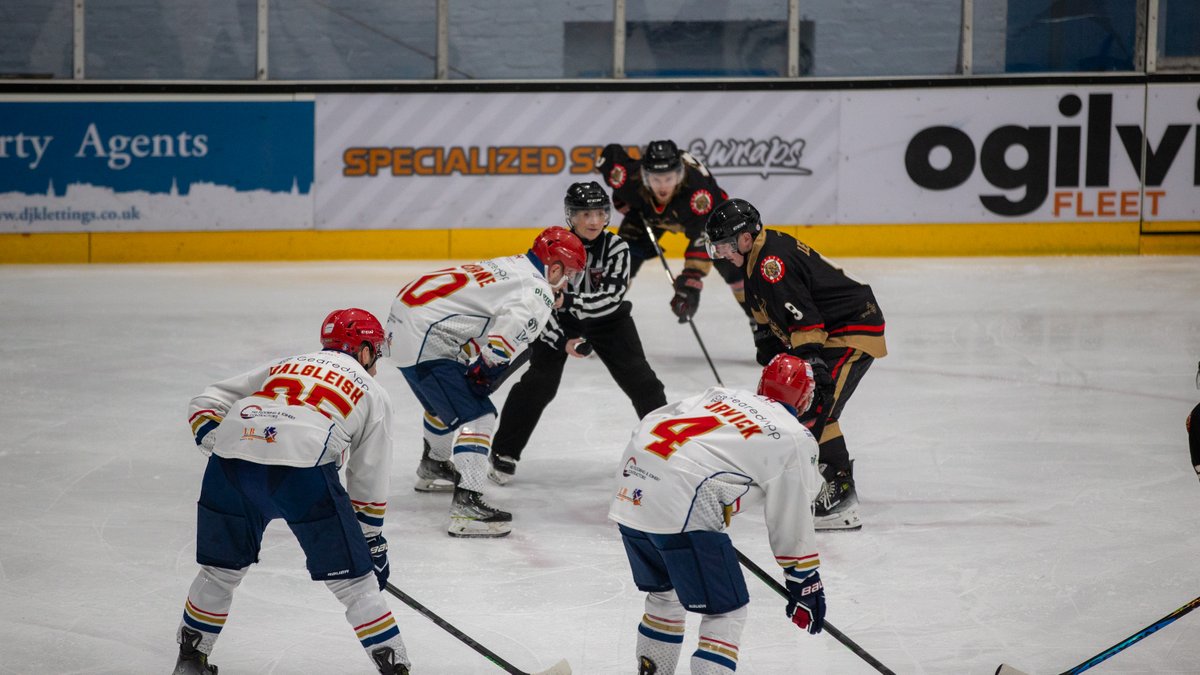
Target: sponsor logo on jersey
617,176
634,497
701,202
253,411
632,469
772,269
251,434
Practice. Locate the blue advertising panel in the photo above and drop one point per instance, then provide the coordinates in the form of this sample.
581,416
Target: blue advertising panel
160,165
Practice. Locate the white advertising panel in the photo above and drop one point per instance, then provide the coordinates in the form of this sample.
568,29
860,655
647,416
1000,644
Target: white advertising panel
964,155
1173,160
505,160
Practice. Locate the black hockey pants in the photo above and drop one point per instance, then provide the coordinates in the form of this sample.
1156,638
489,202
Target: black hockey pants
619,348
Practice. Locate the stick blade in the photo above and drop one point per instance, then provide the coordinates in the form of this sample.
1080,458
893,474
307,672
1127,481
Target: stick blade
1006,669
560,668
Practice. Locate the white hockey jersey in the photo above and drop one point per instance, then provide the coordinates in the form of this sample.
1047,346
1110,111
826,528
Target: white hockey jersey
691,464
304,411
459,312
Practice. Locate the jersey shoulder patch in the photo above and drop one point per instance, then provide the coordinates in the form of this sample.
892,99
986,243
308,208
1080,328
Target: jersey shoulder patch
701,202
771,268
617,175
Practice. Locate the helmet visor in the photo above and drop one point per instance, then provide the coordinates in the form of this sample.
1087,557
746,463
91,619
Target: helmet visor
722,249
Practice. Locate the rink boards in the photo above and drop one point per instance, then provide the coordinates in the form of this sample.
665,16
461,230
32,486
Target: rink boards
1009,169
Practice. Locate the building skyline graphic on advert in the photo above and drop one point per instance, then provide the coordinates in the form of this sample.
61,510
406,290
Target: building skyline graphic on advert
162,148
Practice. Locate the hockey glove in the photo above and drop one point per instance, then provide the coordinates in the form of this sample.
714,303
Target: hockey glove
480,376
822,401
687,294
806,602
379,560
765,344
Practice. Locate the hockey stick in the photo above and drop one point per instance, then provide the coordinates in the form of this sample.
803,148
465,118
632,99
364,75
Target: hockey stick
512,368
671,278
560,668
1005,669
829,628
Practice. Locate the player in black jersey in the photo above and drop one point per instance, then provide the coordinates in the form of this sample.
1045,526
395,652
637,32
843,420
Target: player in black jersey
670,191
809,308
594,315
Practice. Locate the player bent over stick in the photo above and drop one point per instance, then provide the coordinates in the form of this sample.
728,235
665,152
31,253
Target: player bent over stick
453,333
295,421
688,468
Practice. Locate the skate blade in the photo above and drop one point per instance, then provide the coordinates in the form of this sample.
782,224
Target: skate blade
469,528
843,521
433,485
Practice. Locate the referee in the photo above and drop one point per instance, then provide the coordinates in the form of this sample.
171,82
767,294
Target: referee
594,315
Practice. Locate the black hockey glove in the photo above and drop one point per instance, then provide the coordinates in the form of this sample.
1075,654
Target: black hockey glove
822,401
481,376
766,344
806,602
379,561
687,294
612,154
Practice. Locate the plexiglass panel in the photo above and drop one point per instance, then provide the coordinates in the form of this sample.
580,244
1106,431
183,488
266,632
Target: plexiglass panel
352,40
1076,36
694,38
37,38
171,40
856,38
530,39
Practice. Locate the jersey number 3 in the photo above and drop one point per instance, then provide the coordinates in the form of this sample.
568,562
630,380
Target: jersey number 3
674,432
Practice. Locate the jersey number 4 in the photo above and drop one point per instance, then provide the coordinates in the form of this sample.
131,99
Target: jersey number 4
674,432
430,287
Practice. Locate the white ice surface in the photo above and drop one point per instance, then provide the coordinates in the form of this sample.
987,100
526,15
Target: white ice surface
1022,465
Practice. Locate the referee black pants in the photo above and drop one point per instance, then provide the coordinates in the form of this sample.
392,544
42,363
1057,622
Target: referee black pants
620,350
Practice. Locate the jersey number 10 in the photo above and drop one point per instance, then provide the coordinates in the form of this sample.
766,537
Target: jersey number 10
430,287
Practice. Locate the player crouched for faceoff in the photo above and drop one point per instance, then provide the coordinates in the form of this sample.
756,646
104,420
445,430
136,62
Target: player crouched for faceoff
807,307
689,467
453,333
276,437
594,314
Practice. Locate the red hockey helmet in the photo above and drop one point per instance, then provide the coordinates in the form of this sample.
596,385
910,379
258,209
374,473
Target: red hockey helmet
788,379
346,329
560,245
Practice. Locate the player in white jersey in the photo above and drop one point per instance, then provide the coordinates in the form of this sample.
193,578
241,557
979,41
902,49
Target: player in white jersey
453,333
689,467
276,437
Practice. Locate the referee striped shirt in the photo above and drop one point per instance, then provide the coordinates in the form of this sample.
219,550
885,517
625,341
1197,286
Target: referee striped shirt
600,293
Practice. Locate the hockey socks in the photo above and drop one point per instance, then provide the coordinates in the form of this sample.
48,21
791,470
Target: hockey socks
208,603
717,653
660,633
368,614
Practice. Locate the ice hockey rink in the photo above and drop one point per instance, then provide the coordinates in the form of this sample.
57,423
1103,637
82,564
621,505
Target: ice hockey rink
1022,466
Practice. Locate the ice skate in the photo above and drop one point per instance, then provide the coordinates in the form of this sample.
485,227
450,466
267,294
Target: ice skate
502,469
385,661
470,516
435,475
646,666
191,660
836,505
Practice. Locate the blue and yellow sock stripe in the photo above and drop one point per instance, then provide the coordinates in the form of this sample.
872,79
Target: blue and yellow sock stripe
434,425
369,513
209,622
481,443
719,652
378,630
663,630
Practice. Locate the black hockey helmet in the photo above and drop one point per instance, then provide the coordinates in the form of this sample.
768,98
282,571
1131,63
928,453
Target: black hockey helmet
661,157
585,197
731,218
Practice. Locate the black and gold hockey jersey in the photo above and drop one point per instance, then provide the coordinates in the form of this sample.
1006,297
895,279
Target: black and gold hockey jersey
805,299
686,212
